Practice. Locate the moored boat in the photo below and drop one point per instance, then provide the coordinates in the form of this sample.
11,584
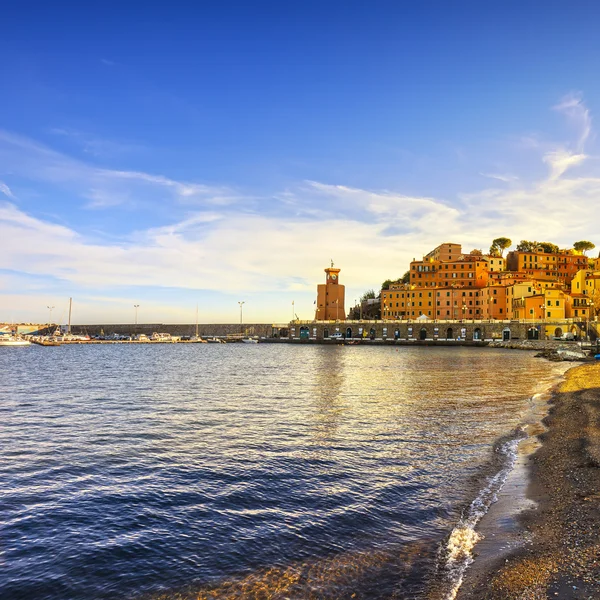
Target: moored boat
9,340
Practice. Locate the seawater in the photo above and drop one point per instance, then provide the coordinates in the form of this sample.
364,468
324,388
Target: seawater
233,471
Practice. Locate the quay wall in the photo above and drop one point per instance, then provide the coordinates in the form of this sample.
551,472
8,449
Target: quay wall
365,330
438,330
204,329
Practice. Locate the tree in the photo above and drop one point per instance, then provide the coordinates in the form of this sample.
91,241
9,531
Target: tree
368,295
583,246
499,245
526,246
406,277
386,284
476,252
549,247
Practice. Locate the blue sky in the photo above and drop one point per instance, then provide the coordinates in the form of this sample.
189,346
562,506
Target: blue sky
175,155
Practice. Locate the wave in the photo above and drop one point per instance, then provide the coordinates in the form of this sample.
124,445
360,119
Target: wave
456,554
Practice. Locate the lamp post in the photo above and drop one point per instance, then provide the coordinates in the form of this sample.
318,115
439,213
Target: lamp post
588,314
241,315
135,307
50,308
464,309
543,307
293,313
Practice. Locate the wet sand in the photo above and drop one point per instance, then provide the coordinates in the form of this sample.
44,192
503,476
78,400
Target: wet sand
557,543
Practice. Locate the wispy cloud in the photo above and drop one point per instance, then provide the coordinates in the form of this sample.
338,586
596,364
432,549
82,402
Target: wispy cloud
97,146
500,177
564,157
223,241
4,189
577,112
101,187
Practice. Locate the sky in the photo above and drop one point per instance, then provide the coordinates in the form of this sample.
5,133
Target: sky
177,155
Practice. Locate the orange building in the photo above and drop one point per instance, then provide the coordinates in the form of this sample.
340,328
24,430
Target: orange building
449,285
330,297
556,266
446,266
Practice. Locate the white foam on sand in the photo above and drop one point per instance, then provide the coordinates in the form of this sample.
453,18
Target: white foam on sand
457,554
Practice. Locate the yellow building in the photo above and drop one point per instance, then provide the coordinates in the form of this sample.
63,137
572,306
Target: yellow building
330,297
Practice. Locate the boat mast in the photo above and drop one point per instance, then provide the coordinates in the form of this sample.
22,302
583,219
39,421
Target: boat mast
196,319
70,306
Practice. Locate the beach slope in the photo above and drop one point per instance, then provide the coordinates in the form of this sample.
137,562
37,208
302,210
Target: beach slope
560,554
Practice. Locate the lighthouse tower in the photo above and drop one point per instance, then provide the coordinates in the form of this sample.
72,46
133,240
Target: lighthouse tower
330,297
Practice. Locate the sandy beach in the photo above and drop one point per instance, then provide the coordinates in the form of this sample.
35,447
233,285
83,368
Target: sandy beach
560,552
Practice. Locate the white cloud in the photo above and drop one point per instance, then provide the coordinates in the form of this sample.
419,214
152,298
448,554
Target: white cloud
561,160
504,178
99,186
220,250
4,189
576,111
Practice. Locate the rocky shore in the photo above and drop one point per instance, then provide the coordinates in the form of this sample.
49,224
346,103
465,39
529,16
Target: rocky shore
552,350
560,552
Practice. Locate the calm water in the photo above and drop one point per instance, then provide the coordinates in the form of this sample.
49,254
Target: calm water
228,471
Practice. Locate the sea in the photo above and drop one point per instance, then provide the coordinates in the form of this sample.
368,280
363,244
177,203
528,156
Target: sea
159,471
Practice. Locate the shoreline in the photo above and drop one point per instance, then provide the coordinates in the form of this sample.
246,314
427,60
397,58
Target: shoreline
553,551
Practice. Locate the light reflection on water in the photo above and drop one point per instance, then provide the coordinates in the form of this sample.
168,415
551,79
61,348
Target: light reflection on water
313,471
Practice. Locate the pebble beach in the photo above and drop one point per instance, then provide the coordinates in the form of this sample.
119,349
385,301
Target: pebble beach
560,552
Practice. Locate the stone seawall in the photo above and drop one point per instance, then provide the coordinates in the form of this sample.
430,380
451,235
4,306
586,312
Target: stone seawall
436,330
204,330
464,331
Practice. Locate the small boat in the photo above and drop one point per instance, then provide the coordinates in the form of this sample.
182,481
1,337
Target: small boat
9,340
249,341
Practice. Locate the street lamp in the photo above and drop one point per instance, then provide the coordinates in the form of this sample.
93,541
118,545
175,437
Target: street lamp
464,308
50,308
588,314
543,307
241,313
293,313
135,307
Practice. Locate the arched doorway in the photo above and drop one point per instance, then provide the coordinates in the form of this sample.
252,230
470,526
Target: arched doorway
558,332
396,334
449,333
349,333
506,335
372,333
477,334
423,334
325,332
533,333
304,333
